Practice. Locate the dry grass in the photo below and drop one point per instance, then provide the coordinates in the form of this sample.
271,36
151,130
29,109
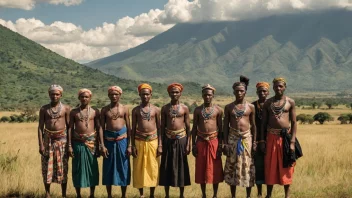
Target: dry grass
324,171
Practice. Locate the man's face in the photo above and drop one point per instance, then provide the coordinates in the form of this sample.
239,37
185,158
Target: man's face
84,98
114,96
55,96
175,93
239,92
279,88
262,93
207,95
145,95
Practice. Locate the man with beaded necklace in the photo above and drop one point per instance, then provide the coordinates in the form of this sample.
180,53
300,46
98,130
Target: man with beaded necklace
114,142
239,138
207,142
176,137
146,142
83,129
52,137
262,92
279,119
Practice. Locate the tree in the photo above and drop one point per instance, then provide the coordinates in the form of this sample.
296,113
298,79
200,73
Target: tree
305,118
343,118
5,119
321,117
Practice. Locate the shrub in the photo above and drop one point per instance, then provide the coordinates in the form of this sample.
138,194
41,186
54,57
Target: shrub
321,117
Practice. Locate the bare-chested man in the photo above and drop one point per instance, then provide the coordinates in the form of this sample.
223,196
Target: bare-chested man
146,141
53,121
175,131
239,138
84,126
279,122
115,123
207,142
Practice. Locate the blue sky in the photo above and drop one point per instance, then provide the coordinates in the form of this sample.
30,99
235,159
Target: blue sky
86,30
88,14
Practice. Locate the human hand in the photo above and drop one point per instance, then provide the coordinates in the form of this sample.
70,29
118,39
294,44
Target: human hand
262,147
104,152
41,149
194,151
159,151
70,152
129,151
292,147
134,151
219,152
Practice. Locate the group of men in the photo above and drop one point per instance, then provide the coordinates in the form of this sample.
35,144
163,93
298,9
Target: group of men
84,133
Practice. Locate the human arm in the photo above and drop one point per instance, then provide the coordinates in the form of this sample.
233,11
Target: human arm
220,131
187,125
103,151
128,126
253,129
70,131
157,122
292,114
40,130
226,130
194,132
265,117
134,125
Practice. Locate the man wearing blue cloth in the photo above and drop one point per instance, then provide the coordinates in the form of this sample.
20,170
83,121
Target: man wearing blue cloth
115,142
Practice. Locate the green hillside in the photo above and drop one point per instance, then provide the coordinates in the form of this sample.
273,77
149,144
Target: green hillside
27,70
312,50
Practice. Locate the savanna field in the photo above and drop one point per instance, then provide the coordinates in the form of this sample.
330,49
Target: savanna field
323,171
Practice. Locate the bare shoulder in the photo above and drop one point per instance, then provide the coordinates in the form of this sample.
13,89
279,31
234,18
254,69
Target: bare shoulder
291,101
229,106
157,109
67,107
198,109
136,108
45,107
250,105
218,108
96,109
74,111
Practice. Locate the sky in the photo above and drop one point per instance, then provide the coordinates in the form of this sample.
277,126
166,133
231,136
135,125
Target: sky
86,30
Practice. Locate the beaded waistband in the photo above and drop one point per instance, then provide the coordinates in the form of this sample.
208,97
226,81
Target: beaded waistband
175,134
207,135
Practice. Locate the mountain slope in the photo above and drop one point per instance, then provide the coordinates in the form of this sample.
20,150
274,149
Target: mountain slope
312,50
27,70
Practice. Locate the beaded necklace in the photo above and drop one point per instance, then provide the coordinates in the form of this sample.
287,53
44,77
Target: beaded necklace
174,112
239,112
55,114
206,115
145,115
84,117
116,115
278,110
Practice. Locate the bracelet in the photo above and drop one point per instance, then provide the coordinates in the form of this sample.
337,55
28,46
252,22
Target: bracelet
260,141
160,146
293,141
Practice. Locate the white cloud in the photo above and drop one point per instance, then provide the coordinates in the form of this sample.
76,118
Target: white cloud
30,4
73,42
176,11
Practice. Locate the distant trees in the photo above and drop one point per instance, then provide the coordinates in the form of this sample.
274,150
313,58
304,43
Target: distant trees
305,118
322,117
345,118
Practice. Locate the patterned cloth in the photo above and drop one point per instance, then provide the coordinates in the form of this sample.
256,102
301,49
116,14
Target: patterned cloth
146,164
55,158
239,168
116,167
85,171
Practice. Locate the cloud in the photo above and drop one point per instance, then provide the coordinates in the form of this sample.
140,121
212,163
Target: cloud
73,42
30,4
178,11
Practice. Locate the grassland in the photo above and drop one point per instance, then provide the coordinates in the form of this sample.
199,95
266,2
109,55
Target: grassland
324,171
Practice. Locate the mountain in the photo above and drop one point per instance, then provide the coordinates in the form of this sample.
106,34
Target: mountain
312,50
28,69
